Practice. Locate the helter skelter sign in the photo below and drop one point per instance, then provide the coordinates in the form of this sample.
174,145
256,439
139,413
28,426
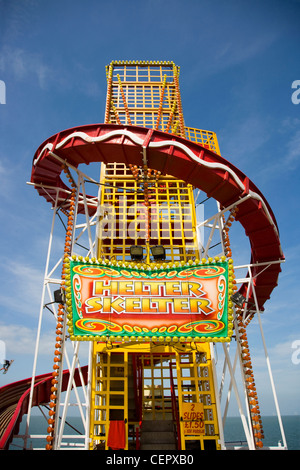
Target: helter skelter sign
122,303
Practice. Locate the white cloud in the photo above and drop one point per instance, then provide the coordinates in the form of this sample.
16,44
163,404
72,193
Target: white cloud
229,50
293,150
244,138
25,65
289,159
2,169
283,372
20,339
7,177
291,132
30,66
17,17
21,288
235,52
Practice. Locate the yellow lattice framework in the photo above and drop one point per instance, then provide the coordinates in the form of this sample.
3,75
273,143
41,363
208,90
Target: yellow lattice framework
139,206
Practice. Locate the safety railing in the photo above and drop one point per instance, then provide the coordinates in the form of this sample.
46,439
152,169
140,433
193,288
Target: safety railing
138,391
175,411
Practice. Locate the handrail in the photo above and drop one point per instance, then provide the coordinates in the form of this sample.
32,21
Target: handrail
138,390
175,412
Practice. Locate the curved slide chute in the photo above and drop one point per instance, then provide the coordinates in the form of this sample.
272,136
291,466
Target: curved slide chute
171,155
181,158
14,400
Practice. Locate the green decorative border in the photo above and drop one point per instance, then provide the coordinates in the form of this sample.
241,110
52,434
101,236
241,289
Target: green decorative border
202,331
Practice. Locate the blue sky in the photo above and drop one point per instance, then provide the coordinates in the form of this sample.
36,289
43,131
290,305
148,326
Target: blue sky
238,61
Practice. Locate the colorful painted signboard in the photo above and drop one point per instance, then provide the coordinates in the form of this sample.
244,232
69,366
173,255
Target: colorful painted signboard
186,303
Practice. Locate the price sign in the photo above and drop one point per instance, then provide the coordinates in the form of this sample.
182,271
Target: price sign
193,418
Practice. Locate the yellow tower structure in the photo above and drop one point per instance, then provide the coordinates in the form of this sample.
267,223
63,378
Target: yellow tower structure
146,280
152,394
145,290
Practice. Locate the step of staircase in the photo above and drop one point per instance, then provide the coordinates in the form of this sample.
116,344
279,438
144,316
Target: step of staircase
158,447
157,435
157,425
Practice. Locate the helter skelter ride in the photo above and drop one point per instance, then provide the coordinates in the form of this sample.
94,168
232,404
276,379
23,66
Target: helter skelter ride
146,296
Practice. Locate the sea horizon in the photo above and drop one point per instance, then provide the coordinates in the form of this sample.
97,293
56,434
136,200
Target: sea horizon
233,431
